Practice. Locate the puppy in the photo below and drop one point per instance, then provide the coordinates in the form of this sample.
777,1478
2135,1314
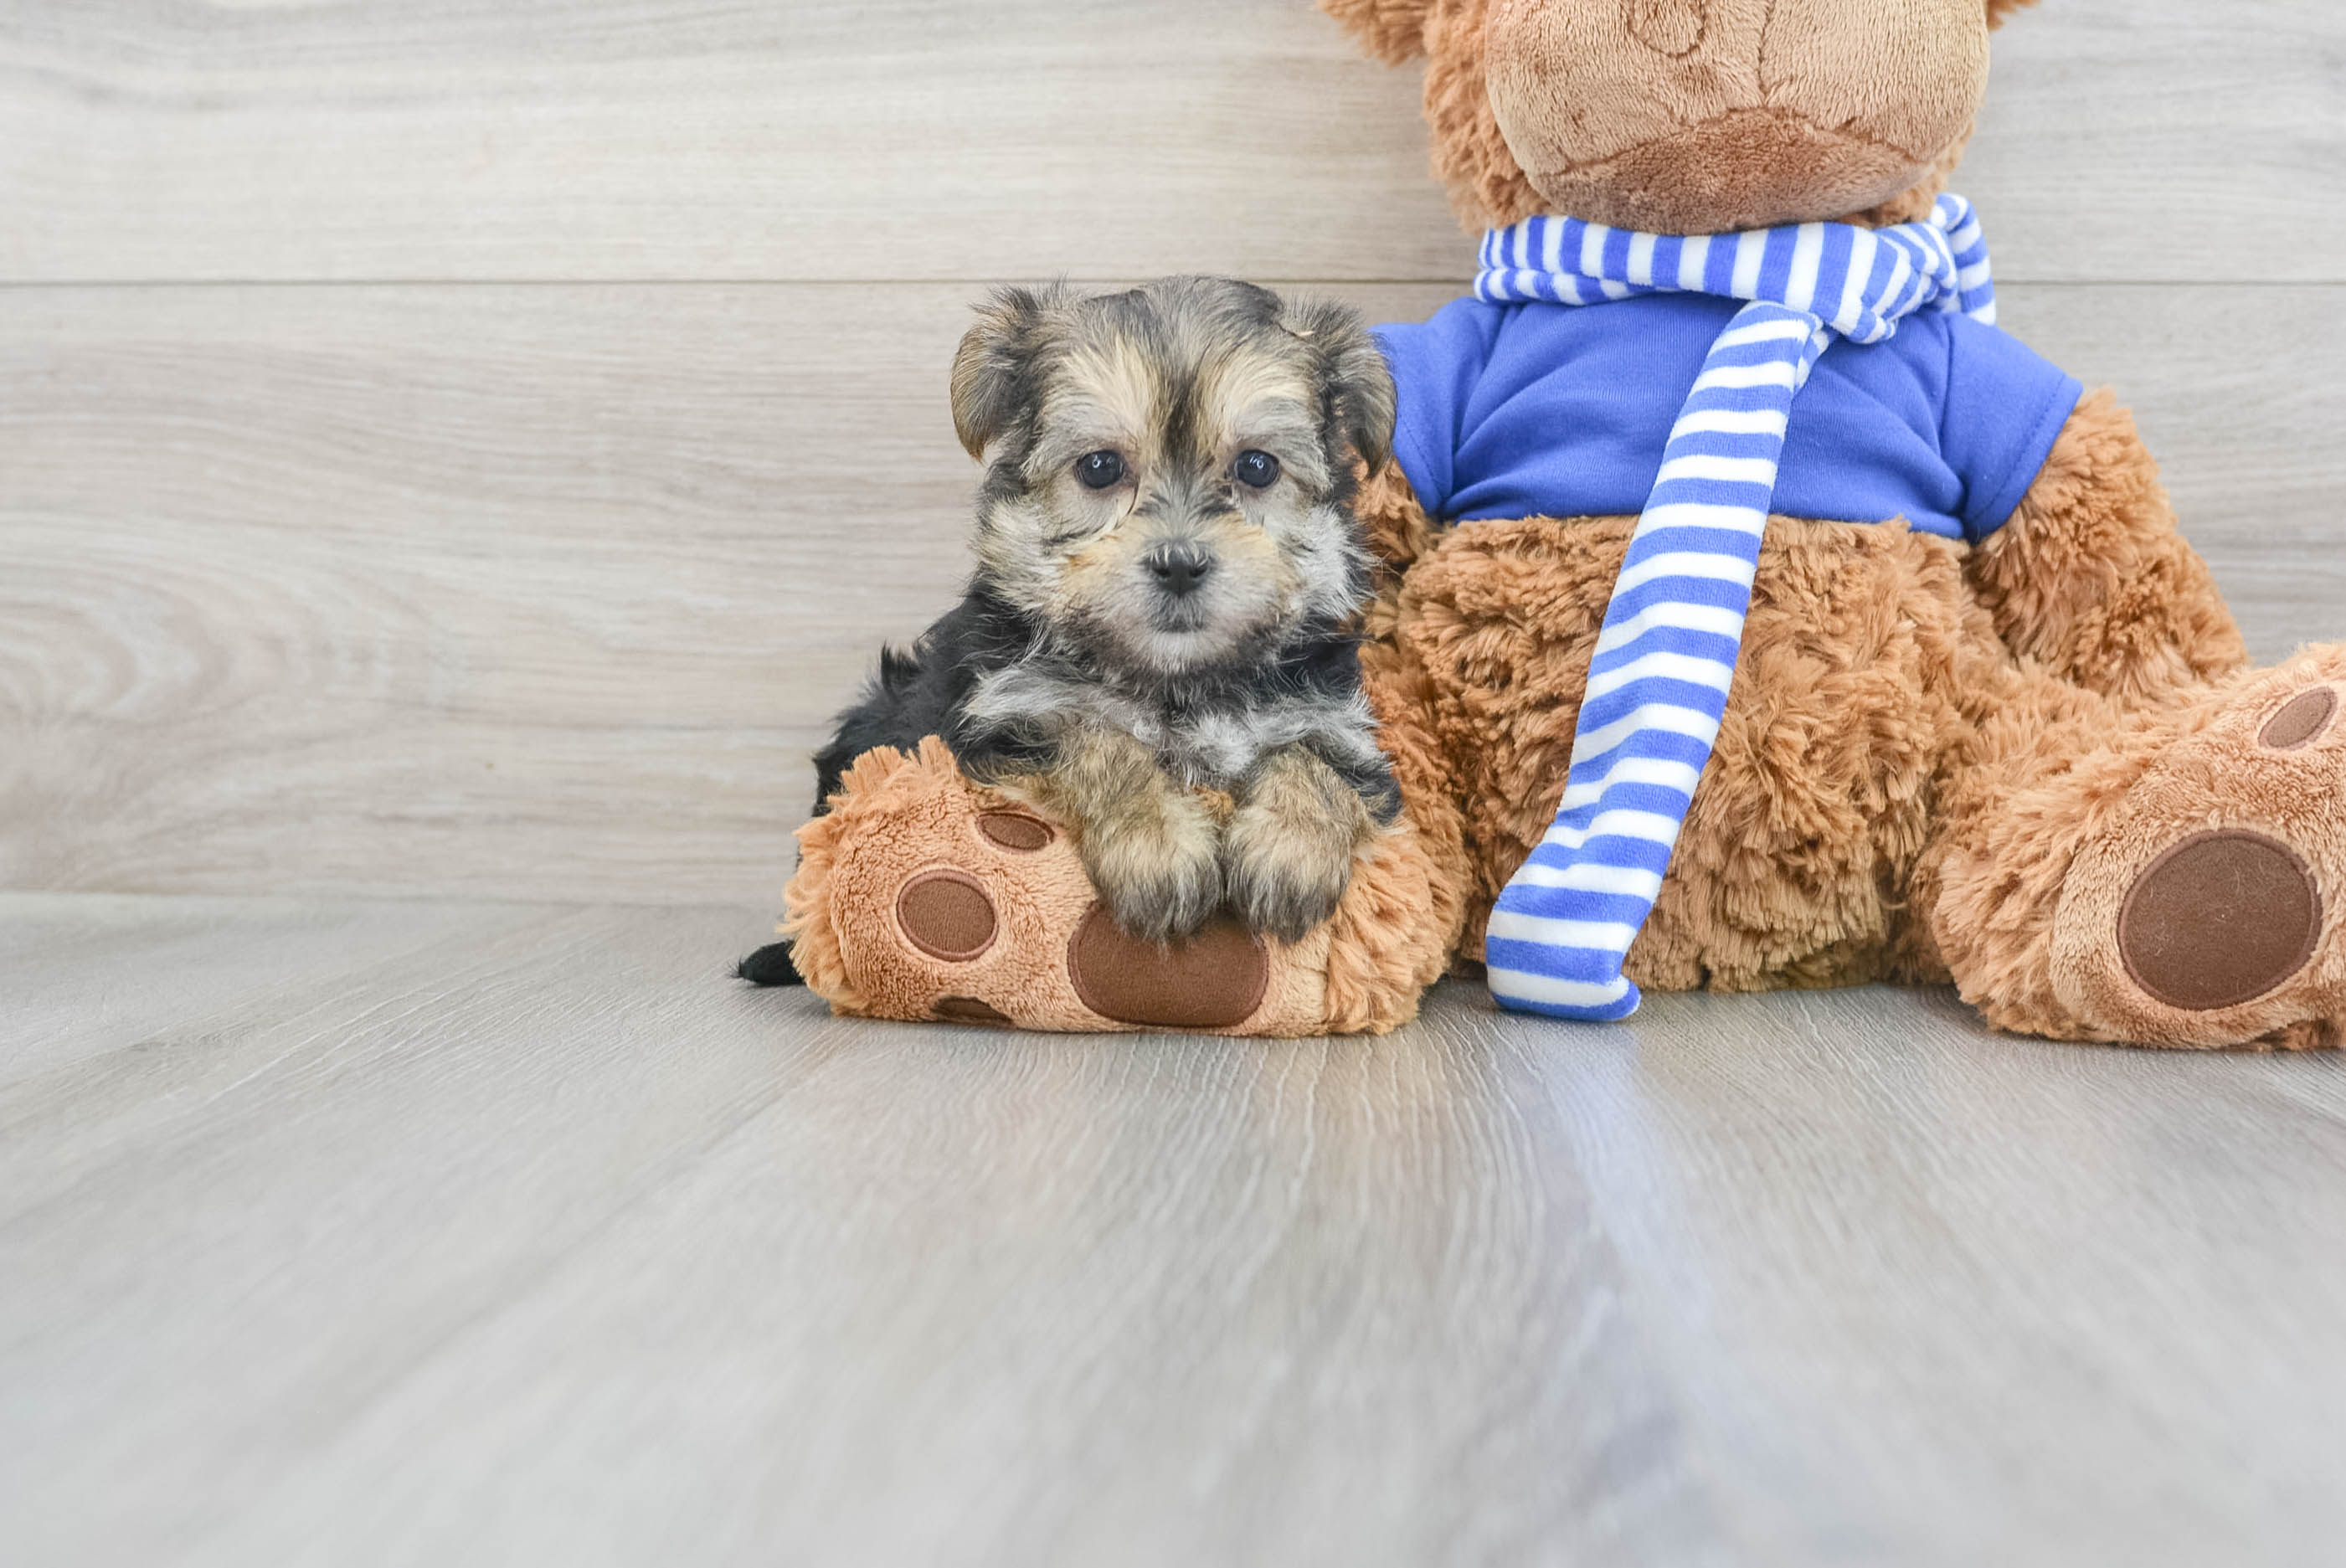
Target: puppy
1168,576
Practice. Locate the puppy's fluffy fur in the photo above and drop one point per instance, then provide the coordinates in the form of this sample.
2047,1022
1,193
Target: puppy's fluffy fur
1168,573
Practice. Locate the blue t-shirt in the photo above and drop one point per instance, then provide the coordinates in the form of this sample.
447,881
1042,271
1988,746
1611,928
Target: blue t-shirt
1540,409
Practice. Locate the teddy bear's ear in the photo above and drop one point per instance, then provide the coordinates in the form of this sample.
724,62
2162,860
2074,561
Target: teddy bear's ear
1354,380
1391,30
1997,10
989,368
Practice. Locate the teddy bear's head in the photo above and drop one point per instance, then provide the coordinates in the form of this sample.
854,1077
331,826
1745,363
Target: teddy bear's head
1691,116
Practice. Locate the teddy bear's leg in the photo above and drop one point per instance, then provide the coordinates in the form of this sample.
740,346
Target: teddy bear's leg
2090,577
922,895
2175,875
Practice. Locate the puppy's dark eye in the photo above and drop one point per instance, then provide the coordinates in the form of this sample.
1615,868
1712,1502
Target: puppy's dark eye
1256,470
1099,470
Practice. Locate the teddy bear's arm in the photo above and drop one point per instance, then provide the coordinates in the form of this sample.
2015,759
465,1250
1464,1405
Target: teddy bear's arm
2091,578
1394,525
1396,531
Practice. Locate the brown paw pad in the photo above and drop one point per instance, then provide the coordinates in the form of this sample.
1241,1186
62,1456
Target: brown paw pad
1014,831
2302,719
2219,919
1215,979
967,1010
947,914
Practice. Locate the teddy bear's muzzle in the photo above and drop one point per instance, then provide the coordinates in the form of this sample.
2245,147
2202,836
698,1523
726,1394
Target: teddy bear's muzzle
1752,169
1704,117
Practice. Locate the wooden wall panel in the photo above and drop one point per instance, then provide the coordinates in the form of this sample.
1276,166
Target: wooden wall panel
2167,140
855,139
463,448
548,592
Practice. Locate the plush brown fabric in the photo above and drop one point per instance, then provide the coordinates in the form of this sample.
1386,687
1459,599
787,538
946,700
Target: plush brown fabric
2055,818
947,914
1393,522
2091,578
2217,919
1014,830
1391,30
1692,116
968,1010
1214,980
1488,188
2303,720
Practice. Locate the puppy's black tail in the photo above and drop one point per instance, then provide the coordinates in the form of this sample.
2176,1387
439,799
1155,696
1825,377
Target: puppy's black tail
770,965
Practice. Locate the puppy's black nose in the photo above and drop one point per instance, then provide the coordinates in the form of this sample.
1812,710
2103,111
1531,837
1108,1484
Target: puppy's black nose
1180,570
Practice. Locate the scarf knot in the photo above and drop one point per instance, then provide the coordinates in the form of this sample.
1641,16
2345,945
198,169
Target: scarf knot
1665,660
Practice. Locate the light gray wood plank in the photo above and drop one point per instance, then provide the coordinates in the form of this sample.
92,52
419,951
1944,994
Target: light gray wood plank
2038,1248
549,1246
222,1241
634,139
2112,125
81,977
2166,139
523,593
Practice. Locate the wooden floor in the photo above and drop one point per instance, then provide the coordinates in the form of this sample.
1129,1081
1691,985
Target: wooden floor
439,1233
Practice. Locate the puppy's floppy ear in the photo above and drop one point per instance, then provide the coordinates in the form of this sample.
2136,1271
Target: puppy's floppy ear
1997,10
990,368
1355,383
1391,30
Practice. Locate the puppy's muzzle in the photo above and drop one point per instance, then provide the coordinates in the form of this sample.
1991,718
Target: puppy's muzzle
1179,569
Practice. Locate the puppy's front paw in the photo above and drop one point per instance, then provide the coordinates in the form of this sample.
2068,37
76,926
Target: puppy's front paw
1287,857
1159,871
1285,882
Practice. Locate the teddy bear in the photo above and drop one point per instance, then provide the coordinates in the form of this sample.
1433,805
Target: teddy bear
1754,613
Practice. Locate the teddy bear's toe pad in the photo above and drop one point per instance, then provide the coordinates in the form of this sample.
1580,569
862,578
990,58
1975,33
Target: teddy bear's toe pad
1215,979
2221,918
970,1010
2302,719
1016,831
947,914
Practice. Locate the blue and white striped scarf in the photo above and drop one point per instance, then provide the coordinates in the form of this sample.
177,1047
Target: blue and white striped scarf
1658,686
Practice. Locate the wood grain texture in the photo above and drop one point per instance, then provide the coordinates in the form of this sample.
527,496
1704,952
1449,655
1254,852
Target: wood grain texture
505,1234
2158,139
523,592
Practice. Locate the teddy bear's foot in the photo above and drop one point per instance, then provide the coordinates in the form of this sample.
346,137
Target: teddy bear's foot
2203,909
921,895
